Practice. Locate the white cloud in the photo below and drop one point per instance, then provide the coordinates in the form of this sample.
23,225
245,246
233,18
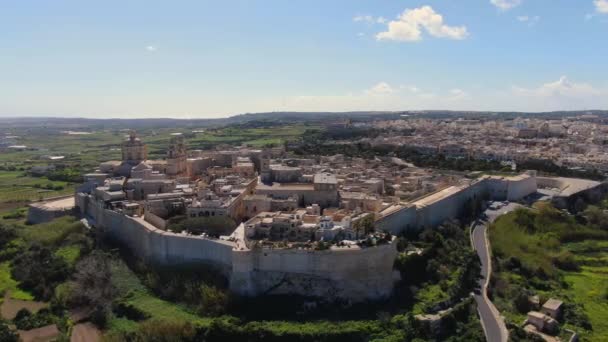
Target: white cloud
561,88
151,48
457,94
601,6
528,19
370,19
561,94
381,88
506,5
408,26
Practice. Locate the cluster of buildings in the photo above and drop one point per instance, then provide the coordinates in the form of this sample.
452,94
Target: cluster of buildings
319,226
544,320
575,142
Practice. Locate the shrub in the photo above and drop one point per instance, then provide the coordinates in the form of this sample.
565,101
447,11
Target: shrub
212,225
566,262
25,320
162,330
214,301
6,334
129,311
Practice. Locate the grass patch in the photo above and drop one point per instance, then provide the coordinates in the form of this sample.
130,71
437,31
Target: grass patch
69,254
51,233
8,284
427,296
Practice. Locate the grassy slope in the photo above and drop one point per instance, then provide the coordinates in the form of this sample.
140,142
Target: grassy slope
587,286
135,293
590,285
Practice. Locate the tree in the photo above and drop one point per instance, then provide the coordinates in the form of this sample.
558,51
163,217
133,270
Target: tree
596,217
93,285
39,271
525,219
364,225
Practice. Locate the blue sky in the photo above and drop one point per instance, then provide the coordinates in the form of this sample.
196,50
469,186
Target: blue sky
218,58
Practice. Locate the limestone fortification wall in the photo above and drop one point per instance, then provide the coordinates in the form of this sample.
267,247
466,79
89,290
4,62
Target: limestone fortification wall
157,245
548,182
45,211
424,213
351,273
399,220
448,207
339,272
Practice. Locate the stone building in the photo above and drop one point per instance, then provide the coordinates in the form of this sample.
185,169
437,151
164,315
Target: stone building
133,150
177,156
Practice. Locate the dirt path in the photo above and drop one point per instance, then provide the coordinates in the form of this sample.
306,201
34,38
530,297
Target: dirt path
11,306
85,332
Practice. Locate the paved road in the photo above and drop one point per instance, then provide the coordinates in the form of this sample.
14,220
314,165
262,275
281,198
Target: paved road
493,325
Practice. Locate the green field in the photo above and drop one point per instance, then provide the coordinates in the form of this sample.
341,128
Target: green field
17,187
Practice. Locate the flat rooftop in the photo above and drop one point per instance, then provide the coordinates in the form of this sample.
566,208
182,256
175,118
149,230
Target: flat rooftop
325,178
58,204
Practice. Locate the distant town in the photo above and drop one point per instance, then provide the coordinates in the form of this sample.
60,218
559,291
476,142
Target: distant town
349,211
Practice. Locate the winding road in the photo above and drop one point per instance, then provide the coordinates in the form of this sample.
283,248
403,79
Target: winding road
493,324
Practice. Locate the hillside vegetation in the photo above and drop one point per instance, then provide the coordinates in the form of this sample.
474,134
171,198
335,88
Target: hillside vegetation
553,254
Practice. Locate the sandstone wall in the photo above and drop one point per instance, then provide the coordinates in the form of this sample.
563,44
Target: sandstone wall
448,207
352,273
160,246
399,221
45,211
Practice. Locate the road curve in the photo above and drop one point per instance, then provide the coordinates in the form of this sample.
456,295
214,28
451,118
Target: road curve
493,325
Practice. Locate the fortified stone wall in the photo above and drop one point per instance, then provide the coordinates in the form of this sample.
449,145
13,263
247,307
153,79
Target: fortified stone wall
48,210
424,213
349,273
161,246
521,188
399,221
449,207
339,273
